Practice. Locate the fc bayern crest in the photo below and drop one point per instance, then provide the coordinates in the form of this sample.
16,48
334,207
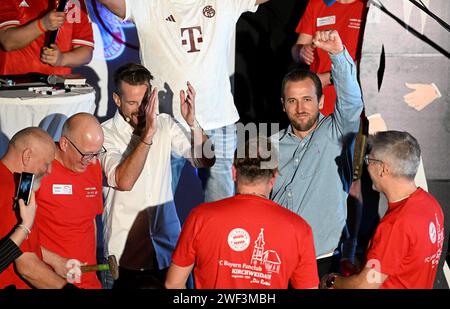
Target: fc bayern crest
209,11
112,47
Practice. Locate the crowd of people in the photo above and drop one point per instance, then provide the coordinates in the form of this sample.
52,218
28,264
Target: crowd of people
275,211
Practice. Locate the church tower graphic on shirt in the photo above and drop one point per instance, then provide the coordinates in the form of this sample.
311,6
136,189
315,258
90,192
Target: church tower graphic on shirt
268,258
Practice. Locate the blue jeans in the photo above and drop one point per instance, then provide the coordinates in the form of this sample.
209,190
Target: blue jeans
216,181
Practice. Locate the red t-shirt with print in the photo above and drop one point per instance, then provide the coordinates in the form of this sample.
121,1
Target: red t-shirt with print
247,242
346,19
9,218
68,203
408,242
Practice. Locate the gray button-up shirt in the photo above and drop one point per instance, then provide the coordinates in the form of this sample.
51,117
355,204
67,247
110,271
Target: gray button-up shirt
315,172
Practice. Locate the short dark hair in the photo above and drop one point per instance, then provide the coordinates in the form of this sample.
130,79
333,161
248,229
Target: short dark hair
297,75
133,74
400,149
257,162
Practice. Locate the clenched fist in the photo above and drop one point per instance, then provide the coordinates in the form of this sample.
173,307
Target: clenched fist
329,41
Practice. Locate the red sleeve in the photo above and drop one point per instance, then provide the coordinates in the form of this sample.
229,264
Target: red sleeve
9,14
82,32
305,275
184,254
389,246
306,24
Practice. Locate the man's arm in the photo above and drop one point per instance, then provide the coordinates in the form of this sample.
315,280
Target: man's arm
303,50
78,56
14,38
349,102
129,170
177,276
57,262
258,2
201,156
39,275
117,7
368,278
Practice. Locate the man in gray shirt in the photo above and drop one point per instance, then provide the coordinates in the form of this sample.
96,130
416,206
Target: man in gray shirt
315,151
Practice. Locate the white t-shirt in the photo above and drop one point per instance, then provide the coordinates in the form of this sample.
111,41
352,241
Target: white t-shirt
153,187
189,40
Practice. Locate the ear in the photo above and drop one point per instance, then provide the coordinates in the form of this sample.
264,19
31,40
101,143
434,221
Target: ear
63,143
273,179
116,99
321,101
26,157
233,172
385,169
282,104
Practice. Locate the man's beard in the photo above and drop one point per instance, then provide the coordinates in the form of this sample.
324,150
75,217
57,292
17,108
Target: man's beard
130,119
304,127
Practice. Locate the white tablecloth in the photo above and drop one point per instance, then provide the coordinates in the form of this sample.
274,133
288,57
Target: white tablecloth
20,109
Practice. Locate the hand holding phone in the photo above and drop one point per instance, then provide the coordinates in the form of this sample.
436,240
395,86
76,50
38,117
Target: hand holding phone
27,213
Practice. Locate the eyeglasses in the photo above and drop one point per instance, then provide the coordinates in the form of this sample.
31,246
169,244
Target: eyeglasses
367,160
86,157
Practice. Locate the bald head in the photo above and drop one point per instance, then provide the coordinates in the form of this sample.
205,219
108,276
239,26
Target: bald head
30,150
82,136
32,137
84,127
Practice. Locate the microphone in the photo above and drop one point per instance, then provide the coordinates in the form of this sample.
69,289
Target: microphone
54,33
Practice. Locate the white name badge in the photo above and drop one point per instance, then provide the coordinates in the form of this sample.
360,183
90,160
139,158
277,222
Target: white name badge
62,189
328,20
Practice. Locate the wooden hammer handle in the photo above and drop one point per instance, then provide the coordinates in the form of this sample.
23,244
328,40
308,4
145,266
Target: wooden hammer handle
99,267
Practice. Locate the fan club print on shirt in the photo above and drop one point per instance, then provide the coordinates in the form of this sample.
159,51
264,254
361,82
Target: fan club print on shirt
263,263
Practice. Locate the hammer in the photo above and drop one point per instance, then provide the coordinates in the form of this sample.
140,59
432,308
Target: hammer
111,266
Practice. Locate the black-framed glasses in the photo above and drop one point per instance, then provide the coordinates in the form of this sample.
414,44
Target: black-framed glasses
86,157
368,160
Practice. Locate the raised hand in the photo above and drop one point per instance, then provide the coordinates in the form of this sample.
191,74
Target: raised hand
329,41
187,100
150,117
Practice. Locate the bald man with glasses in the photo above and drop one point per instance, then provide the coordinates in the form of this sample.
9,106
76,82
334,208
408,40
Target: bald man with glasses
71,197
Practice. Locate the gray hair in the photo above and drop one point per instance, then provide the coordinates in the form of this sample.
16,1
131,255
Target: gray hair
400,149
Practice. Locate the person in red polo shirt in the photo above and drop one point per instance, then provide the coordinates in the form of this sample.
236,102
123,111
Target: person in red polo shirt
70,198
405,250
30,150
24,32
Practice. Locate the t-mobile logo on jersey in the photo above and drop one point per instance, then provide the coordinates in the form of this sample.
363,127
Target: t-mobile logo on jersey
193,36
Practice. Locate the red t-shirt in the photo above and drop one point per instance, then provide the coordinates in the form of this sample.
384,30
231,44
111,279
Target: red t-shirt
346,19
9,218
76,31
408,242
68,203
247,242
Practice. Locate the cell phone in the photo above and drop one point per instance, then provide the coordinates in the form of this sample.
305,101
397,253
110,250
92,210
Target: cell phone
25,187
